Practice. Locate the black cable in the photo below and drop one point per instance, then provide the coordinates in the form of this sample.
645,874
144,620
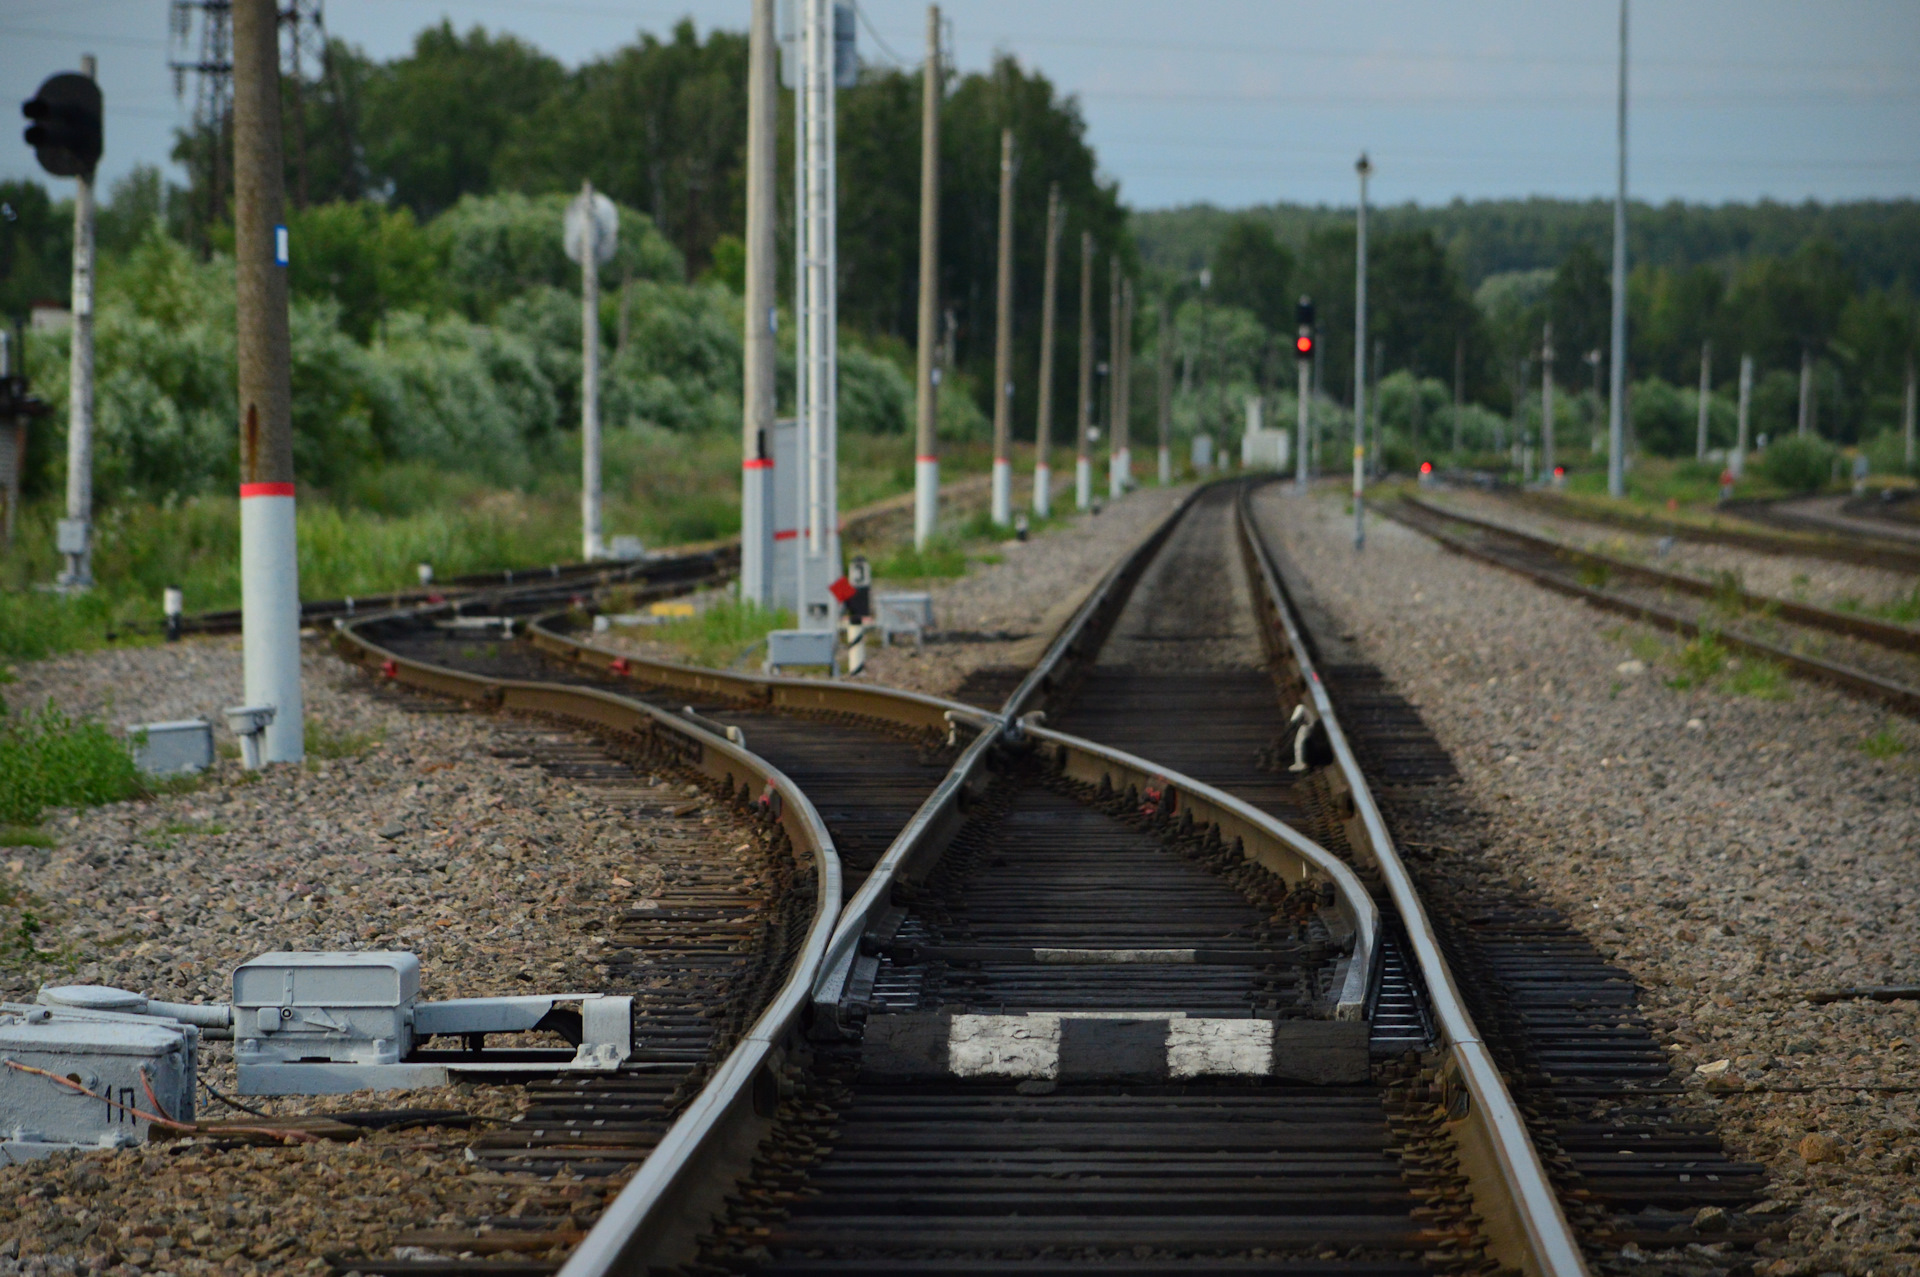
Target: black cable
230,1102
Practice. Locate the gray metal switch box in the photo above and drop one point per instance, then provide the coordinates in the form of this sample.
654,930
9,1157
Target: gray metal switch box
343,1008
170,749
112,1055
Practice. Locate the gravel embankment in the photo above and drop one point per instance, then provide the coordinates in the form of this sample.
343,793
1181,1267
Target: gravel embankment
1733,854
1821,582
404,830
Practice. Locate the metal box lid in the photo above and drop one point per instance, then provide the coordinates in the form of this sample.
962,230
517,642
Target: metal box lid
376,978
29,1029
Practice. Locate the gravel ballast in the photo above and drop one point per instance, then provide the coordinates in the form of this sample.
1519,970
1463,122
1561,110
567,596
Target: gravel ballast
1733,854
427,831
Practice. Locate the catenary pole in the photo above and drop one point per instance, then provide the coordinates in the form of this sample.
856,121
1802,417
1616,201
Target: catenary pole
1706,399
76,531
1746,404
926,460
592,545
1043,427
1113,377
1083,453
1163,350
1911,387
1806,391
1546,400
1617,367
1365,169
1123,394
269,563
1459,385
1003,345
757,418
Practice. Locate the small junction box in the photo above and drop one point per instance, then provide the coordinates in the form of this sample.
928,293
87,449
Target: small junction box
119,1057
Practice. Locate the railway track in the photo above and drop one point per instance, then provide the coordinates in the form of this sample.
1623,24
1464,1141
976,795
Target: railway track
1241,1044
1786,537
1869,658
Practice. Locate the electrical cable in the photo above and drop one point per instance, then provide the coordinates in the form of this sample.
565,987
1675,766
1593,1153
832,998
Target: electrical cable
229,1101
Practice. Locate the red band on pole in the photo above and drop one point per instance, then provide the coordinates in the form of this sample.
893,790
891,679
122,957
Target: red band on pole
756,463
266,489
926,458
788,535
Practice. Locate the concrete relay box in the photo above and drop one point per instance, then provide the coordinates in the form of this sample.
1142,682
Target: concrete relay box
118,1057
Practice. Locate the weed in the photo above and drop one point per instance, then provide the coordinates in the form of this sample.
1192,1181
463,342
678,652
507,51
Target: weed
938,558
1595,576
1883,744
48,760
1904,610
1761,679
323,742
1729,592
1700,661
719,633
25,836
1647,648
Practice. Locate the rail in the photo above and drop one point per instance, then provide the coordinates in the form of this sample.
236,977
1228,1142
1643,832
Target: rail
1521,1213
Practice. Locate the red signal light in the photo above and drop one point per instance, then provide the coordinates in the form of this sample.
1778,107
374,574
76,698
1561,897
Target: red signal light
1426,467
1559,472
1303,345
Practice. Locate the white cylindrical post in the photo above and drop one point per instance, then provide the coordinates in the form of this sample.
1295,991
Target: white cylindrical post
269,559
1083,431
1739,462
760,355
1002,503
1706,399
1049,314
1163,350
591,547
1305,369
1546,402
819,555
1364,168
1617,368
926,462
1806,392
76,533
1123,395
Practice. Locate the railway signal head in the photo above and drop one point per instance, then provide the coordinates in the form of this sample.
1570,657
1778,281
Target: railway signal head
66,133
1426,467
1303,316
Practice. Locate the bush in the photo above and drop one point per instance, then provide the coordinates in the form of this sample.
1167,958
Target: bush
1797,463
48,760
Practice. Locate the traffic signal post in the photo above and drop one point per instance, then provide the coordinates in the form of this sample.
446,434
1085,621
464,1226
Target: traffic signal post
1303,360
67,136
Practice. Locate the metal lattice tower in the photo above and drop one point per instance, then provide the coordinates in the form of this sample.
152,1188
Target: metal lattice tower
303,61
210,59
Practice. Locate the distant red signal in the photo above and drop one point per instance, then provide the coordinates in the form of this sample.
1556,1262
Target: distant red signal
1303,345
1426,467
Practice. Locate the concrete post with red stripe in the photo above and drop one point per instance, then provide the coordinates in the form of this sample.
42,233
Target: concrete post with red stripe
269,565
756,464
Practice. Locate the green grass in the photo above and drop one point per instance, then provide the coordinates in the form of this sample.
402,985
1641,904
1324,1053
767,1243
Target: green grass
48,760
1594,576
717,635
1700,661
1761,679
25,836
1883,744
940,557
323,742
1904,610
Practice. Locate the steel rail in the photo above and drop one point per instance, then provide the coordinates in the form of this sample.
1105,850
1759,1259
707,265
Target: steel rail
1897,695
1522,1215
1901,638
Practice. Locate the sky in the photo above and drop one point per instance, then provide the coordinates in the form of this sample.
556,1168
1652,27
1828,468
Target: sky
1237,102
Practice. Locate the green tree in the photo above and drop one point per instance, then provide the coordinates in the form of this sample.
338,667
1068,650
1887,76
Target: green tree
435,121
36,248
660,125
1254,271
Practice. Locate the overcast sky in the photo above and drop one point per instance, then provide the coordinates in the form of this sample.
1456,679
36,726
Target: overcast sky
1244,101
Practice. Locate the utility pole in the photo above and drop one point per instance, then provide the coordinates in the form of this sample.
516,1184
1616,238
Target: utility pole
1617,369
1546,400
1083,458
757,399
1806,391
1746,403
1365,169
1121,438
817,312
1043,429
1459,385
1003,346
926,460
1706,397
1163,349
1378,454
1113,377
269,560
1910,412
75,533
592,545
